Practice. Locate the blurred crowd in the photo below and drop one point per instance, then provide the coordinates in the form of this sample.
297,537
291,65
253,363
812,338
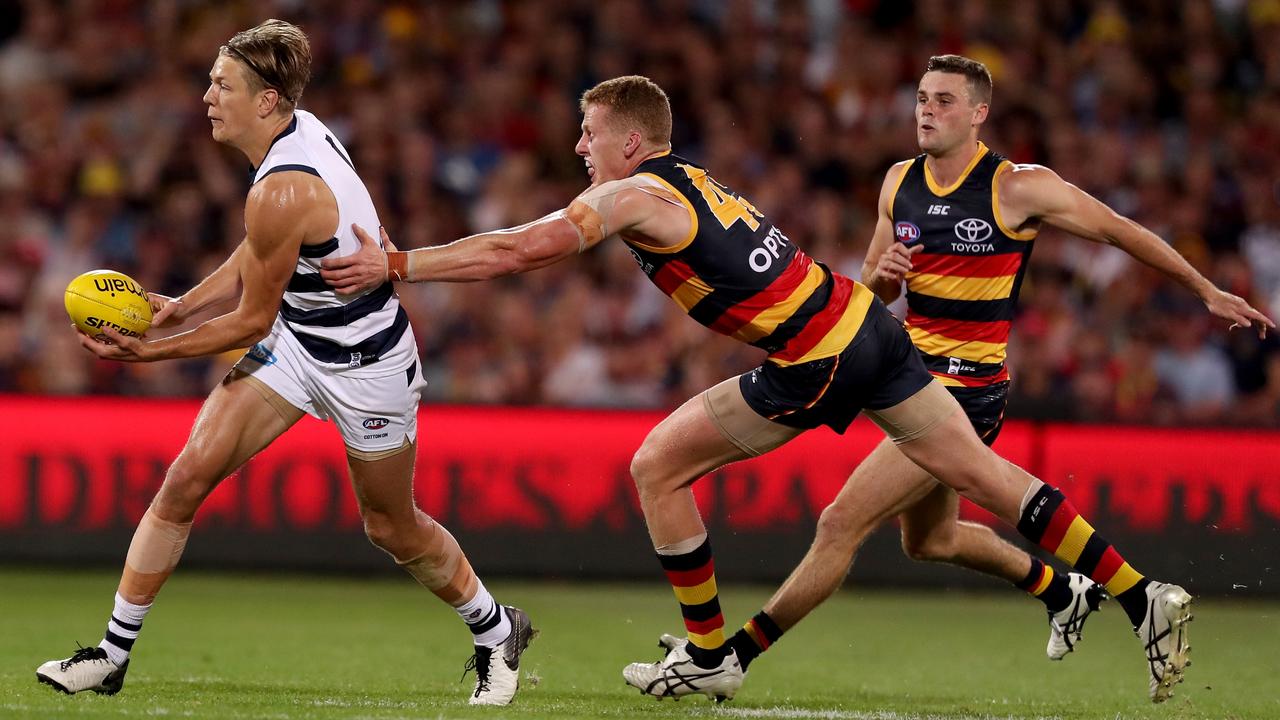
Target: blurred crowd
462,117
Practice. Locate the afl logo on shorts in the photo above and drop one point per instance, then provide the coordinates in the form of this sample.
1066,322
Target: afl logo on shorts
973,230
906,232
375,423
260,353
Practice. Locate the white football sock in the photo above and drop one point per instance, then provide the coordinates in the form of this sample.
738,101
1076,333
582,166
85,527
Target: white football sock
123,629
485,617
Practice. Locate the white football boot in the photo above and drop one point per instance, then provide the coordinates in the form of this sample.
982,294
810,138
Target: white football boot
1067,625
676,675
88,669
497,679
669,642
1163,633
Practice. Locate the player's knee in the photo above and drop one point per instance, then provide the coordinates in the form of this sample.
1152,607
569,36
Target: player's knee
929,546
647,469
838,525
386,534
181,494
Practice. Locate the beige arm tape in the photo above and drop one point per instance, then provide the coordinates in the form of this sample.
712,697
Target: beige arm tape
153,554
587,222
591,213
442,568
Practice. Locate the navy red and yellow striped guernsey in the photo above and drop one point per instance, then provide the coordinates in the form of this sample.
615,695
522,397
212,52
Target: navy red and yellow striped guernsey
739,275
961,294
963,287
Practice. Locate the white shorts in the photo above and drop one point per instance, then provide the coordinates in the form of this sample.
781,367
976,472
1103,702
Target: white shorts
374,413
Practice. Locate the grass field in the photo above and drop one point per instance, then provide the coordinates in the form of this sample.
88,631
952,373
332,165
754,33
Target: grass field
234,646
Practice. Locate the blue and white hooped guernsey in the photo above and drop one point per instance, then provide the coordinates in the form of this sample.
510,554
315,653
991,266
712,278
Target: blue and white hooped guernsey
364,335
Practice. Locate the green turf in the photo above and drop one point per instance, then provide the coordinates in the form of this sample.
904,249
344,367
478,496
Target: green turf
224,646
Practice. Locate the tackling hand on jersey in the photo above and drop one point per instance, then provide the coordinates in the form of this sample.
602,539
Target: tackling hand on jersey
368,268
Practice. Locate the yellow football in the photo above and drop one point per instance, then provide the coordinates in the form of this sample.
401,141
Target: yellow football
106,298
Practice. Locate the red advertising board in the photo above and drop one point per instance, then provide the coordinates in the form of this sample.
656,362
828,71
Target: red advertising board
1227,481
549,491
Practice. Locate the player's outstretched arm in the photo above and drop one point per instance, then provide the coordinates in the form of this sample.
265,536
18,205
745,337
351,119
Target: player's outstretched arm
888,261
281,212
477,257
1031,192
592,216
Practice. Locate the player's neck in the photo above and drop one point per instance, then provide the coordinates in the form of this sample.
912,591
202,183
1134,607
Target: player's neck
256,146
646,155
947,167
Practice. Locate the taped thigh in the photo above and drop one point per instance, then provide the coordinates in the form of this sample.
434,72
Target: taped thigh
375,455
741,425
285,409
916,416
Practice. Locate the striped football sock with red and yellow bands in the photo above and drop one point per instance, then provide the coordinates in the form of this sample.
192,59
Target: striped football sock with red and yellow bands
758,635
693,578
1049,520
1047,586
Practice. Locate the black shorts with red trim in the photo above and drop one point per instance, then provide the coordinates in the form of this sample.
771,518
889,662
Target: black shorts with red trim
879,369
985,407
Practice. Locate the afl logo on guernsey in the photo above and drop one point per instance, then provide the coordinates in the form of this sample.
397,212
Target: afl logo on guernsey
906,232
973,230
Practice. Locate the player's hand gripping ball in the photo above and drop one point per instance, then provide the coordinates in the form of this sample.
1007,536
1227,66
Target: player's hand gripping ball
106,298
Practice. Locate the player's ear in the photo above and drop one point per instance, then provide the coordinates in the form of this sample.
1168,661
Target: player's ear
268,101
980,113
634,141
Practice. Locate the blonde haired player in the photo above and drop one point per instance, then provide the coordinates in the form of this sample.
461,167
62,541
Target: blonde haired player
348,359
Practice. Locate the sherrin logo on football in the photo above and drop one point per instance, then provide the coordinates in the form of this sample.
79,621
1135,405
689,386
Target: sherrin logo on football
106,298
